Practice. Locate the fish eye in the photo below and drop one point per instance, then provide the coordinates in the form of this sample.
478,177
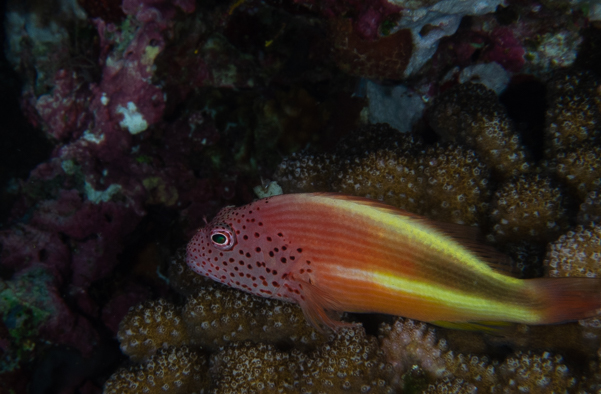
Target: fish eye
219,239
222,237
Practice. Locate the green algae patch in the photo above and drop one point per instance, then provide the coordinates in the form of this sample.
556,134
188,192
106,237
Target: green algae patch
25,305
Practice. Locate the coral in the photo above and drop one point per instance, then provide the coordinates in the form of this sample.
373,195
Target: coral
451,386
72,215
369,161
590,209
39,46
76,211
359,28
374,137
536,373
217,315
367,17
520,372
305,173
372,161
194,59
161,112
530,207
491,75
349,362
385,175
352,361
472,370
574,110
150,326
213,316
556,49
576,253
32,310
174,370
431,21
63,111
471,114
26,246
247,367
379,162
520,41
408,343
572,129
446,182
383,58
456,185
505,49
580,169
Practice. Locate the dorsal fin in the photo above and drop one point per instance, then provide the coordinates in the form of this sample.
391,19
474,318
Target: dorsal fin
467,236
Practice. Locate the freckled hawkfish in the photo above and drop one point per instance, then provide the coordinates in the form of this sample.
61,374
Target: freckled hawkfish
331,252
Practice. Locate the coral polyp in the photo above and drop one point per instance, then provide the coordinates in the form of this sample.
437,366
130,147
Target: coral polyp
529,208
174,369
471,114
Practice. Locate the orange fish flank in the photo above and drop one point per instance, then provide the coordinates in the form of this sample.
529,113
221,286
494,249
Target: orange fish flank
330,252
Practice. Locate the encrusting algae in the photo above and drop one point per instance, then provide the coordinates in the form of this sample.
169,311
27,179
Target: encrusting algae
412,356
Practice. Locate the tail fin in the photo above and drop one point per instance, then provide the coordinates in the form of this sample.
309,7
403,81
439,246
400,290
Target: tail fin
567,299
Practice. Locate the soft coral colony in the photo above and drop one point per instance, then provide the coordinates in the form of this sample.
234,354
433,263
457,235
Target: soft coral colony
163,112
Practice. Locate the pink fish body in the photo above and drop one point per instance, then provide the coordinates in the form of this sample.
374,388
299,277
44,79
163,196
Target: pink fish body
331,252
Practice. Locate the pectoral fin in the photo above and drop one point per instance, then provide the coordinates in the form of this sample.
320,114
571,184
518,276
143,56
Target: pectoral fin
320,309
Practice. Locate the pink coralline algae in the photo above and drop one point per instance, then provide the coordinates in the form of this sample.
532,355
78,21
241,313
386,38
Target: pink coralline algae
96,254
161,12
26,246
505,49
64,111
77,212
367,16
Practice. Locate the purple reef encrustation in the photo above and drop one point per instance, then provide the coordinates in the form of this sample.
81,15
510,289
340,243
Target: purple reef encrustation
145,117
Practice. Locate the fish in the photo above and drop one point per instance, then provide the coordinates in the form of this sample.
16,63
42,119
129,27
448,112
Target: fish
333,253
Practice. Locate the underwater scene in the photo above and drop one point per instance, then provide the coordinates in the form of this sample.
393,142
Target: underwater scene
300,196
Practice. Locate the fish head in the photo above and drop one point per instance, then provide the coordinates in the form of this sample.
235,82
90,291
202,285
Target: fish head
237,249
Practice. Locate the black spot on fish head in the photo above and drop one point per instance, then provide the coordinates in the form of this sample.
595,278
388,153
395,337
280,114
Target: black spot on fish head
240,249
230,249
